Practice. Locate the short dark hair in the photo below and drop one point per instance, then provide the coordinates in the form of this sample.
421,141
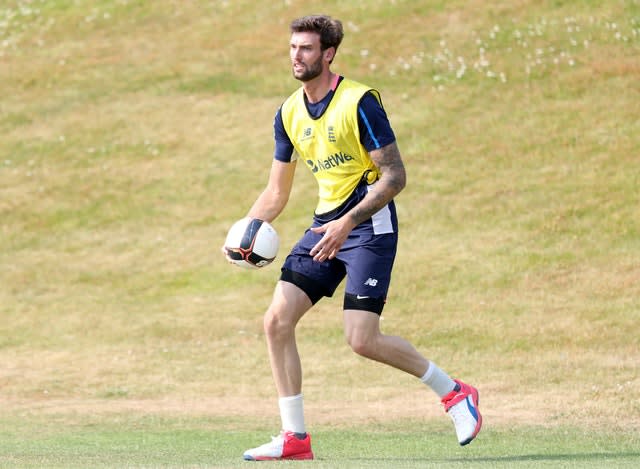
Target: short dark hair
329,29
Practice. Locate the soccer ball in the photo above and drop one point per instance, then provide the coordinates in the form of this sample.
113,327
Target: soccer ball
251,243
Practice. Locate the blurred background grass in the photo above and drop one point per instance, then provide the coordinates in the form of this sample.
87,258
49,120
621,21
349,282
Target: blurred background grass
134,133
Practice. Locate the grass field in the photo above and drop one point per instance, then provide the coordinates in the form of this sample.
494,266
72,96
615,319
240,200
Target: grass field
198,443
133,133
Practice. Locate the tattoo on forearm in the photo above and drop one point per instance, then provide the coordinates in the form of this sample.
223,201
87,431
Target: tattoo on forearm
392,181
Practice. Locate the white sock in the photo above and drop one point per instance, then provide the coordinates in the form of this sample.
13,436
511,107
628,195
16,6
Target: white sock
438,380
292,413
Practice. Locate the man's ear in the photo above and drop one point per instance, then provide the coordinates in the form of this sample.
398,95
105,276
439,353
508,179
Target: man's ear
329,54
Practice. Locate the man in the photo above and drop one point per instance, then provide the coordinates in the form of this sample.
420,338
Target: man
339,129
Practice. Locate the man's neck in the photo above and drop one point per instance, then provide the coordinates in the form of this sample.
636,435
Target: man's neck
318,88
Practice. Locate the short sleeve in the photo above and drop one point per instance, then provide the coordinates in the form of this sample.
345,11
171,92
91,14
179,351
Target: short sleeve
374,125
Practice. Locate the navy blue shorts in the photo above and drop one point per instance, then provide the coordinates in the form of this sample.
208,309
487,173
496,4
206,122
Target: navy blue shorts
366,259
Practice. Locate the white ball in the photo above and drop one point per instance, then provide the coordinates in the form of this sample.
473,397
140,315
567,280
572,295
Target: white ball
252,243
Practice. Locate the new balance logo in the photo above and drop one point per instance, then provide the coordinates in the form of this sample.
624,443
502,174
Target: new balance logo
371,282
307,133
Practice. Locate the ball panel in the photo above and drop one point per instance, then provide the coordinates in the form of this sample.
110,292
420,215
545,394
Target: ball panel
266,242
250,233
234,254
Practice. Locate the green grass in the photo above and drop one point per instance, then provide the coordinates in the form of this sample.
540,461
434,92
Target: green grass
122,441
135,132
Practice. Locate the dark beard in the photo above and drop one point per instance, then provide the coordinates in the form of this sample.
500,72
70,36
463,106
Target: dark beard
310,72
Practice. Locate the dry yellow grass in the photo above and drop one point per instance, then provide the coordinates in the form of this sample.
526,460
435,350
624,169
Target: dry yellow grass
134,133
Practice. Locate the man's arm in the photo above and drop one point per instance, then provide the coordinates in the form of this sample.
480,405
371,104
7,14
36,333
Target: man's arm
275,196
392,180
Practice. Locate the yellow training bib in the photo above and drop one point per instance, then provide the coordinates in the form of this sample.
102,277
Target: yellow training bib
330,145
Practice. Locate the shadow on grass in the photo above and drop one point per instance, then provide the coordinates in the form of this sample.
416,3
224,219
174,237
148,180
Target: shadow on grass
513,458
551,457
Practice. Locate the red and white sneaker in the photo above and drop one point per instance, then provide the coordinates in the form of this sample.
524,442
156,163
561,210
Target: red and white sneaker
462,406
284,446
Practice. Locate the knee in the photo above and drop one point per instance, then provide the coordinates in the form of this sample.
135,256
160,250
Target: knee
275,324
363,346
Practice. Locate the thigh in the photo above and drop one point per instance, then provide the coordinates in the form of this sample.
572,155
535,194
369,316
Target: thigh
361,325
369,263
318,278
289,303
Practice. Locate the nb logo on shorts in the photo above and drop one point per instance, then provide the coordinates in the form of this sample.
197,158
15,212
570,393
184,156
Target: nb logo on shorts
371,282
